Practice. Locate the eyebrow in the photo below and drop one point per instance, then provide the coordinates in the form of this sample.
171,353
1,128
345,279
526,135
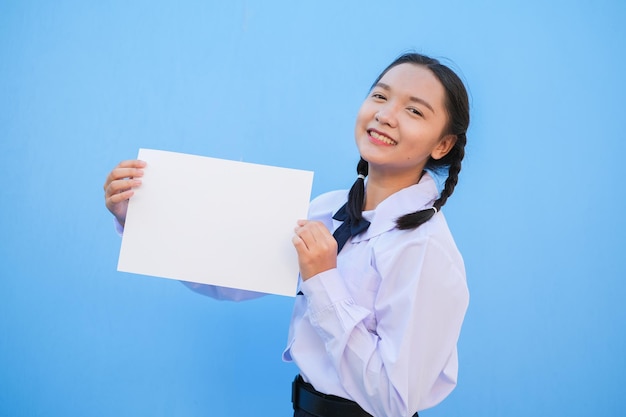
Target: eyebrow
411,98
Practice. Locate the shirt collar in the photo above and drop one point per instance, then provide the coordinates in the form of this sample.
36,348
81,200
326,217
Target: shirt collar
408,200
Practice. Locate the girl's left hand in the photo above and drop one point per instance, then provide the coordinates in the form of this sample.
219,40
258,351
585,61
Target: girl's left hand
316,247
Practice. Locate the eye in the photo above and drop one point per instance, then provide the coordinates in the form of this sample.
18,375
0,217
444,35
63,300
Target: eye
416,111
378,96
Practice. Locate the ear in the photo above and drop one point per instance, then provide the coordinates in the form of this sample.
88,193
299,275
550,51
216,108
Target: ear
444,146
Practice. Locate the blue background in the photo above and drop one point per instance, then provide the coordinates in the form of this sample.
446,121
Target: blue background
538,213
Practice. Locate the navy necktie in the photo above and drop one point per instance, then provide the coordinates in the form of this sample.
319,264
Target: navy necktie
347,228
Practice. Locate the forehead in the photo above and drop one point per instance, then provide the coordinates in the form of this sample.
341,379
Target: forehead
415,80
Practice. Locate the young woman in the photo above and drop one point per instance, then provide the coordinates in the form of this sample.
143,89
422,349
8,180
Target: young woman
383,292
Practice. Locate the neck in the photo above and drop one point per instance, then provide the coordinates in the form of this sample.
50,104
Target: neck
380,186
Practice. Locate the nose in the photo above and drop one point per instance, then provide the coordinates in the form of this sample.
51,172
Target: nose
385,116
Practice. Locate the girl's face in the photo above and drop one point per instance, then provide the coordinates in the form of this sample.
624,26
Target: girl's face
401,123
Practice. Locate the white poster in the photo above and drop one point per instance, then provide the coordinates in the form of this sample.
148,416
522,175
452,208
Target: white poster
217,222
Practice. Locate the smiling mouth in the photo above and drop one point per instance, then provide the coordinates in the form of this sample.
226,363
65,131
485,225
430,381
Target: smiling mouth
381,138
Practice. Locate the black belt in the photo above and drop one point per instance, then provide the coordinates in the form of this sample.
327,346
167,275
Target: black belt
307,398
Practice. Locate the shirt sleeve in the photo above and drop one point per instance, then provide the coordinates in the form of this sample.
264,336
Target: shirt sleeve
118,226
222,293
409,362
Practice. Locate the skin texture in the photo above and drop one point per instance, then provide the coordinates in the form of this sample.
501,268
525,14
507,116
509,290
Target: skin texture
399,126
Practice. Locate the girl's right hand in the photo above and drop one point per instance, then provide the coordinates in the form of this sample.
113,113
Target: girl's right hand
118,187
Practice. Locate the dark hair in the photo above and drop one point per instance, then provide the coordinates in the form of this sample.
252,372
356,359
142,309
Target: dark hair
457,107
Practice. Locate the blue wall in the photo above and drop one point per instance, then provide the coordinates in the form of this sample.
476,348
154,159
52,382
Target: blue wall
538,214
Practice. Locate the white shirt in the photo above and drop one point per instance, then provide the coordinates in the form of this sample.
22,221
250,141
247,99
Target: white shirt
381,329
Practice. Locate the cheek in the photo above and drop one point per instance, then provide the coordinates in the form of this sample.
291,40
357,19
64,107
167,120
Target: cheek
361,121
366,113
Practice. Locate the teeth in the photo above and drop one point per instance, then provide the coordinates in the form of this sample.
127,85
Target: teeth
382,138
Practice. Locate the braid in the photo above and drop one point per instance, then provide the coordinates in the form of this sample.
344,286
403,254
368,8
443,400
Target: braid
454,158
453,175
414,220
356,197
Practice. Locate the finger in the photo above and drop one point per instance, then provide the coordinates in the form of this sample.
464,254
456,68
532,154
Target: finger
125,169
121,173
119,197
323,238
315,233
120,186
305,235
299,244
132,163
320,230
